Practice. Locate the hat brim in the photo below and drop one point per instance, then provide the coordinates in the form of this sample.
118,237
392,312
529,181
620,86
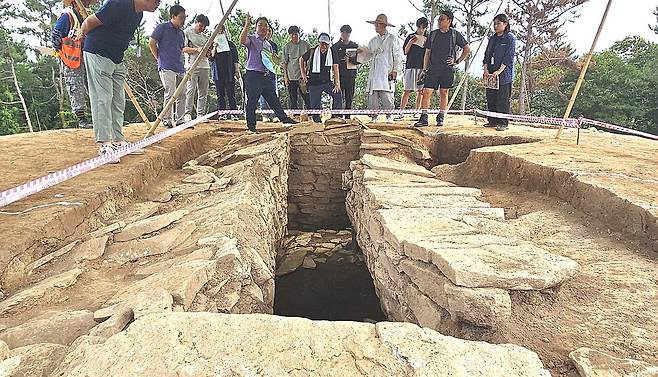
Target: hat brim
375,22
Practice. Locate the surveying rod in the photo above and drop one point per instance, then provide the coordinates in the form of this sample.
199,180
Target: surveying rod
197,61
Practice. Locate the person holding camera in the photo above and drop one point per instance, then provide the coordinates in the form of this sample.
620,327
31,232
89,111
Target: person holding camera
439,65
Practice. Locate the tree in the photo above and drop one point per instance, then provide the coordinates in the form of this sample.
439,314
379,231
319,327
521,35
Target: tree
538,24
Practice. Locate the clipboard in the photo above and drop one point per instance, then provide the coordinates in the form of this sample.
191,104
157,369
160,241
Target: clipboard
491,82
221,43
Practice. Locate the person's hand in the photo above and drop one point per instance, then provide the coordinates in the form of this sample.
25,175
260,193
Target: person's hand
450,61
237,76
247,20
286,81
336,88
393,75
78,34
495,74
305,79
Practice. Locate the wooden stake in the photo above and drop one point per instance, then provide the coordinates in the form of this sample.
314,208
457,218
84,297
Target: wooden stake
197,61
126,87
583,70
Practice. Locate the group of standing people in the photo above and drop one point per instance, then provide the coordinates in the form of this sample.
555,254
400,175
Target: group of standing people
308,72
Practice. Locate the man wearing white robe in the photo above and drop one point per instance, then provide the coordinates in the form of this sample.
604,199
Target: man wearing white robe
385,56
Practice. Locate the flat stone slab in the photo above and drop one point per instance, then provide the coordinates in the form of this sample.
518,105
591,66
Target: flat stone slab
150,225
124,252
56,327
201,344
593,363
395,179
426,197
43,290
381,163
38,359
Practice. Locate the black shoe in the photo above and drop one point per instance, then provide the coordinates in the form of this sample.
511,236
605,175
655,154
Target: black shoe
167,125
422,122
439,119
489,125
290,121
501,127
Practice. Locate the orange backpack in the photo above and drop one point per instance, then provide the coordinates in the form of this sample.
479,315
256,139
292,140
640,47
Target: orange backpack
71,52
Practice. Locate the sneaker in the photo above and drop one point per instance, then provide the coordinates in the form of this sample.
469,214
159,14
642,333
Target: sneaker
187,118
501,127
440,117
389,119
398,117
105,149
290,121
416,116
489,125
422,121
124,143
167,125
85,124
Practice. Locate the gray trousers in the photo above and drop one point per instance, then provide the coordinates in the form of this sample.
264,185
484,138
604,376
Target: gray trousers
108,100
75,86
170,81
380,99
199,82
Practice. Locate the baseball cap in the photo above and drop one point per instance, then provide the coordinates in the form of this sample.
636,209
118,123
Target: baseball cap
324,37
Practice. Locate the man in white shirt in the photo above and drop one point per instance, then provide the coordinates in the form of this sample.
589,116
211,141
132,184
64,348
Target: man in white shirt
199,81
384,53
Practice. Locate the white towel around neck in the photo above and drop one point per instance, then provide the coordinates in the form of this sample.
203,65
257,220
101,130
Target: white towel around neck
316,60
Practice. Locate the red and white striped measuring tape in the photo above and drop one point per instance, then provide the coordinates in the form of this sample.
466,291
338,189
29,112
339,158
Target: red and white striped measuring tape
32,187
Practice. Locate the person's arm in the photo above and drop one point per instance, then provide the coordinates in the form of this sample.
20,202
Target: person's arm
336,78
235,60
466,50
508,58
153,46
89,24
245,30
302,66
61,29
397,58
409,43
285,60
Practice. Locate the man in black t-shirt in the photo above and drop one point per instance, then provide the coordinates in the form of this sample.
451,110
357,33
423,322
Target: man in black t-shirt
414,49
439,64
317,64
347,75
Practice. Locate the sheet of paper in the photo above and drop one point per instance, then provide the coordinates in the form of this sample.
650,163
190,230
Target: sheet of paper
420,40
350,52
221,43
351,65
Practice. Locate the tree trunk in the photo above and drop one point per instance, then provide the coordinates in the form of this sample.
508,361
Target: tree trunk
59,84
467,62
20,94
524,71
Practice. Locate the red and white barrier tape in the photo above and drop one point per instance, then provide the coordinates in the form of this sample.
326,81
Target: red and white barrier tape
32,187
17,193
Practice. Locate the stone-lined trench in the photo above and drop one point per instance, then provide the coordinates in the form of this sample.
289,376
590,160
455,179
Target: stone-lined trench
328,222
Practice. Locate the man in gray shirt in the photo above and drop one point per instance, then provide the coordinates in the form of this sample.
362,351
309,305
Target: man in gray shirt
291,70
199,81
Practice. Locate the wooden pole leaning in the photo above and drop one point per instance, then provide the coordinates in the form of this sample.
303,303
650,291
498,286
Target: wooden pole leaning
583,70
126,87
197,61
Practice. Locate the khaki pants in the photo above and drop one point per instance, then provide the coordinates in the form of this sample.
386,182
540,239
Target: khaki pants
170,81
199,82
105,80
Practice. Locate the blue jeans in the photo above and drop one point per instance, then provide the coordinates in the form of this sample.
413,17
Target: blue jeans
315,92
257,84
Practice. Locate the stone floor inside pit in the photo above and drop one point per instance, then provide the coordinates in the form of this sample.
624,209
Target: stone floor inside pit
184,254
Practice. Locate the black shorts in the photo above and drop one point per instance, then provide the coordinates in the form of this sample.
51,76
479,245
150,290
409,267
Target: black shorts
440,79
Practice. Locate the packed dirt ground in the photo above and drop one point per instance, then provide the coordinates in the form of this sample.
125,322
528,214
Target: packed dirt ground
609,306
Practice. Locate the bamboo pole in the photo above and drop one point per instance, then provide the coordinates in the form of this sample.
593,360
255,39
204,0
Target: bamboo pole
583,70
197,61
84,13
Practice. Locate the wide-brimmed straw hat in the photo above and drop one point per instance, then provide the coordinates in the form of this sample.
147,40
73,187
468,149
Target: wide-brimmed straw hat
381,19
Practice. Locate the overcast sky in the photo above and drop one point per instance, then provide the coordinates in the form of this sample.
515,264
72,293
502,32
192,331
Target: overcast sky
626,17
